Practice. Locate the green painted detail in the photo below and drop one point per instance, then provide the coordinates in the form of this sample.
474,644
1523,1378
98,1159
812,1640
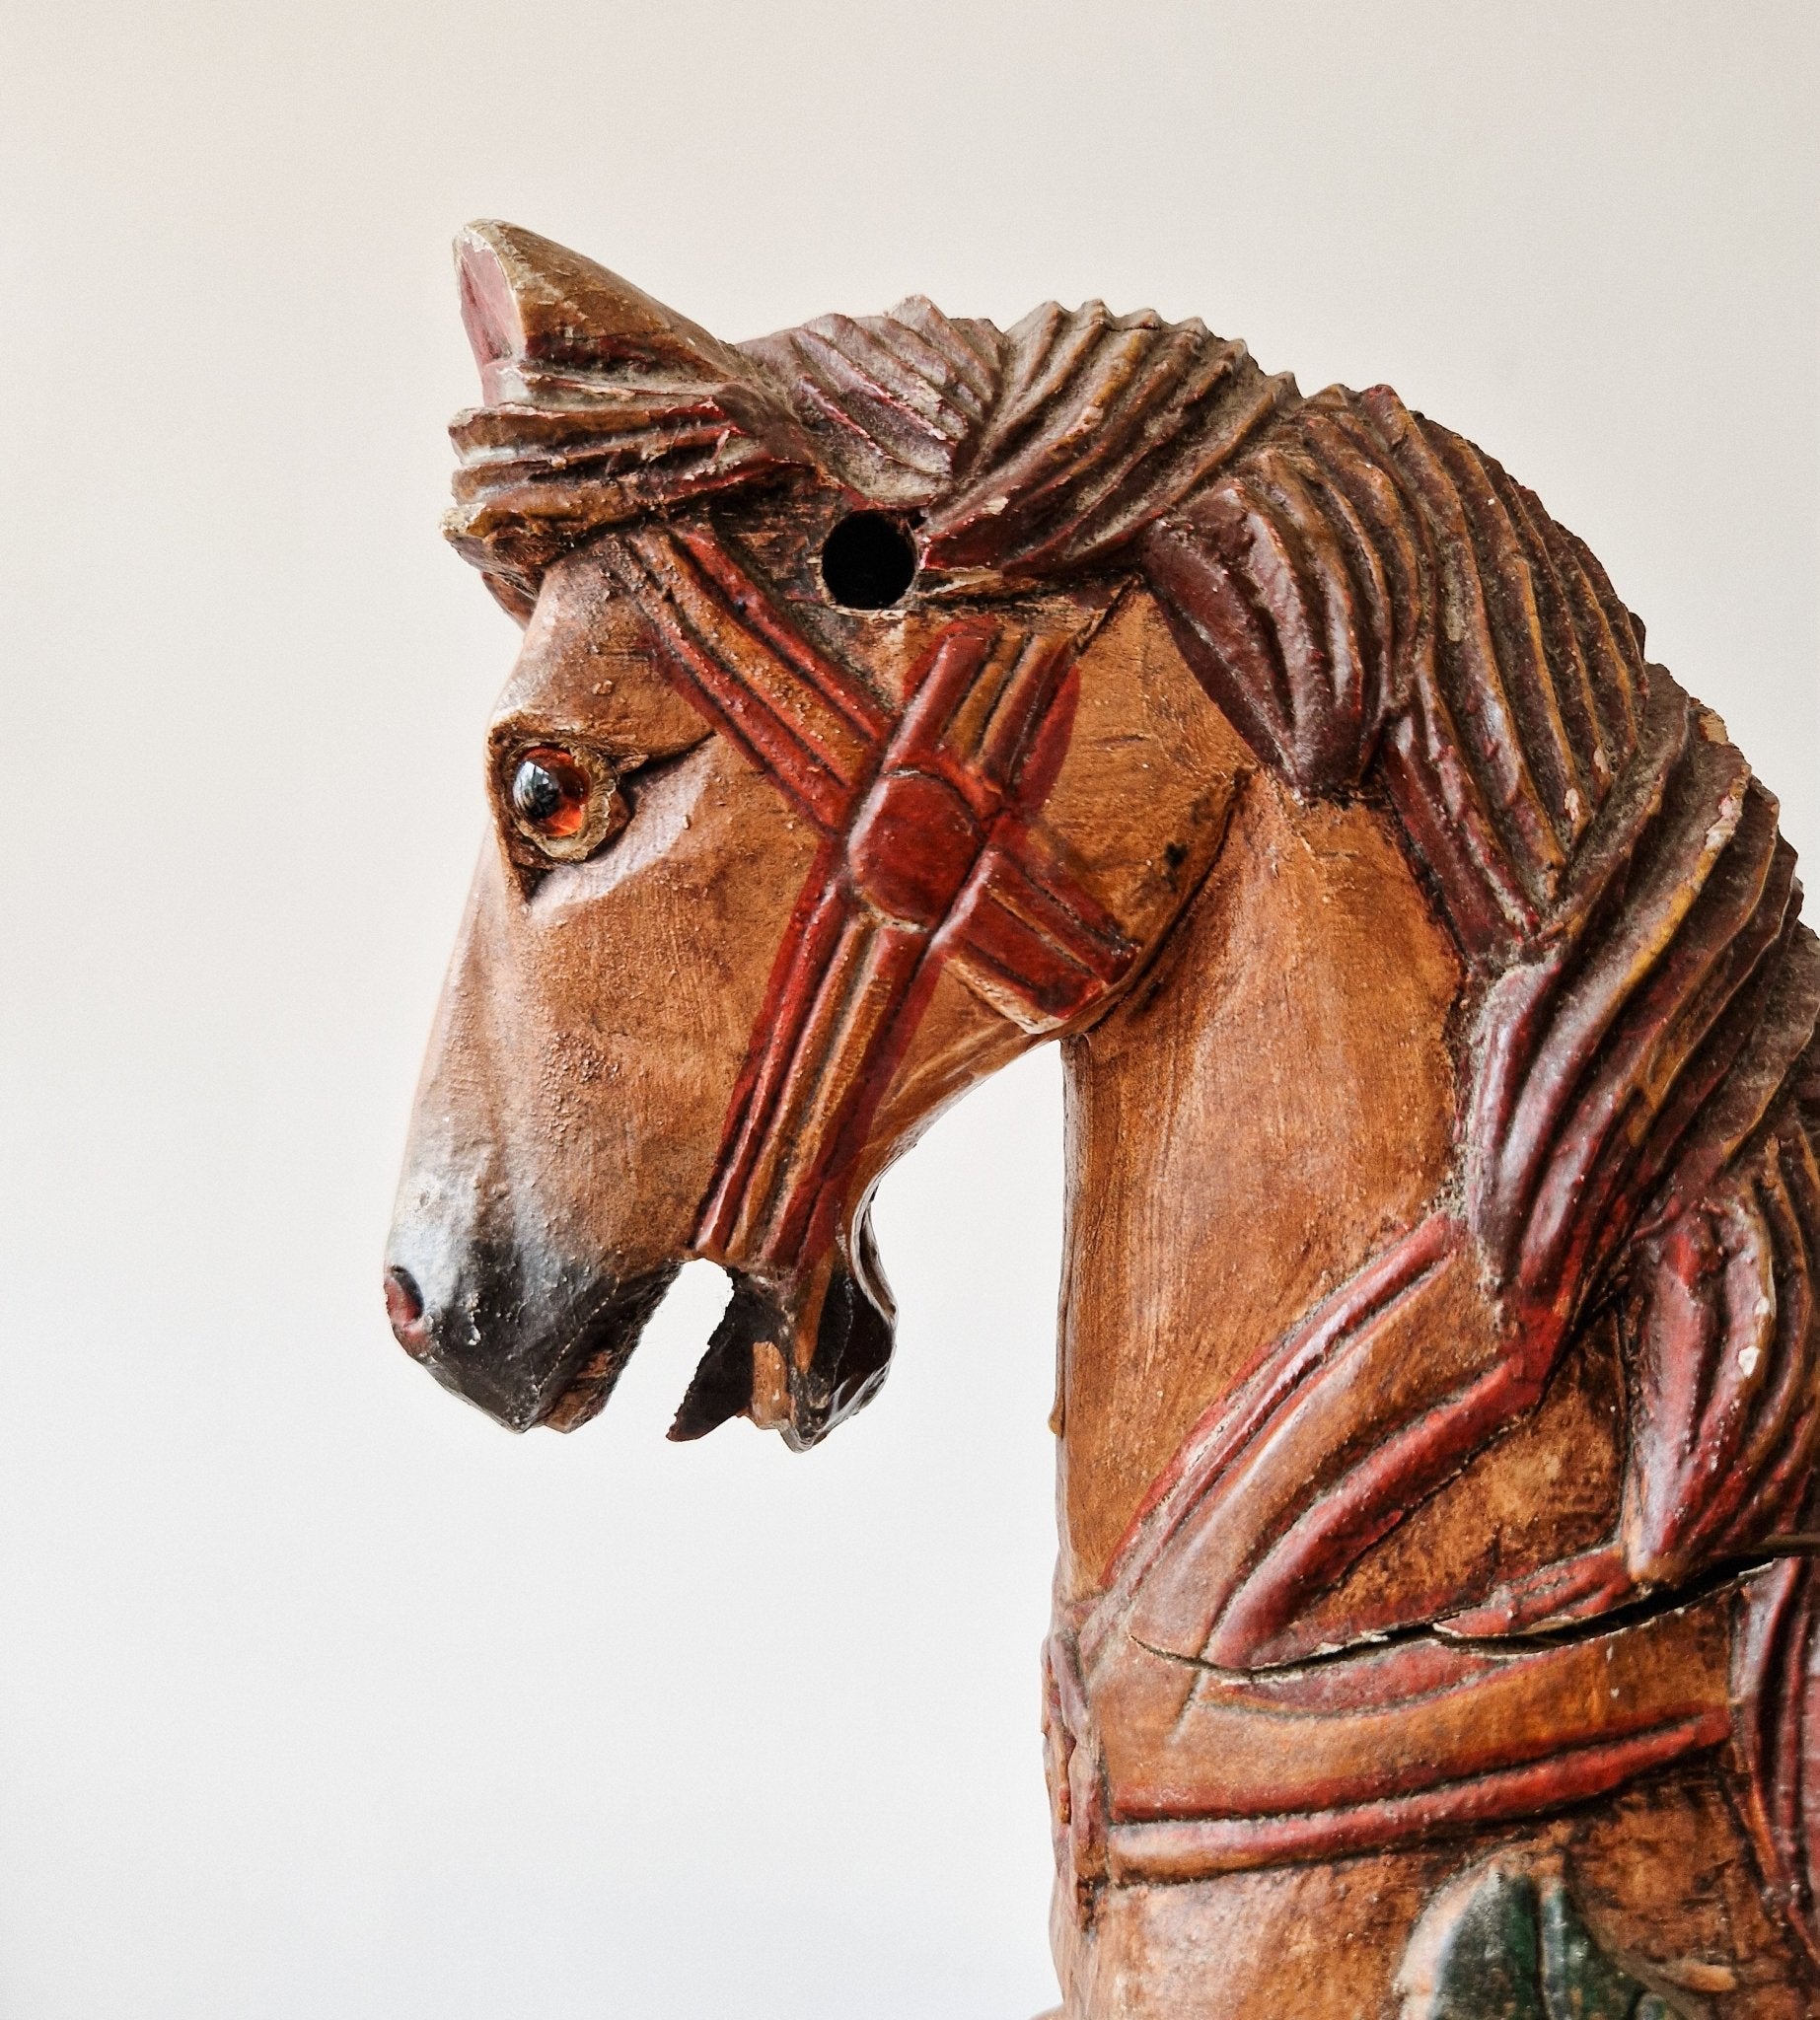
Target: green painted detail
1516,1949
1580,1981
1486,1968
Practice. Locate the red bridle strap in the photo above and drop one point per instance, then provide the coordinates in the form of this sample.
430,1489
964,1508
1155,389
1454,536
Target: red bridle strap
932,855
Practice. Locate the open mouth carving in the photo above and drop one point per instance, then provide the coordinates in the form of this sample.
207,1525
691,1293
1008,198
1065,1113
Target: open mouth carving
598,1357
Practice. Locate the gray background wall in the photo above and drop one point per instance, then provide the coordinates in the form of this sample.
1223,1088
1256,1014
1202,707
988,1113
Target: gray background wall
320,1696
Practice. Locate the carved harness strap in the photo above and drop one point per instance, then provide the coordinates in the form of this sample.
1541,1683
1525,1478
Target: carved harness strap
931,855
1162,1771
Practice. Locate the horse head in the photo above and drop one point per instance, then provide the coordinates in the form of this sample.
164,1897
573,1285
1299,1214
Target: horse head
1439,1334
839,765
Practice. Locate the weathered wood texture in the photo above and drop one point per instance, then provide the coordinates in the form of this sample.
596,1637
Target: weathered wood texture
1435,1634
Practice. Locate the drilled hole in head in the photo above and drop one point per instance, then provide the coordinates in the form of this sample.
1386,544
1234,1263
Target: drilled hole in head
868,561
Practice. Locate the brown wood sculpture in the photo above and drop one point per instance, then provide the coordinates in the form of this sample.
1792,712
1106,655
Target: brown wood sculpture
1438,1395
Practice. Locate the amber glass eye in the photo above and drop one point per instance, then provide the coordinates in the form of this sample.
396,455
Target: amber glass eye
551,794
564,802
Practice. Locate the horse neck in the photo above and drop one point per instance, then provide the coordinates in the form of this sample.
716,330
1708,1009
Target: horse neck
1272,1103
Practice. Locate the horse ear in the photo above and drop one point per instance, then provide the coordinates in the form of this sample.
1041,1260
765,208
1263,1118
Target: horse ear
531,305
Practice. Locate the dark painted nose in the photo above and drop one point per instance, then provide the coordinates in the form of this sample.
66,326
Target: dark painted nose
404,1307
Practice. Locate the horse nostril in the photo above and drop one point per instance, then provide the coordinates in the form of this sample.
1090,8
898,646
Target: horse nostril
404,1309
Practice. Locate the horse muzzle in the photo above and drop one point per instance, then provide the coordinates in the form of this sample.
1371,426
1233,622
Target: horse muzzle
526,1343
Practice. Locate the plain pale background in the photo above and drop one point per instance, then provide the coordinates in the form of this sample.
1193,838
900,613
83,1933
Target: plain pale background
320,1696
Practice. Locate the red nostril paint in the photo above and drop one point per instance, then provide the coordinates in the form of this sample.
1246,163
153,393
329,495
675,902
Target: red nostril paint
404,1309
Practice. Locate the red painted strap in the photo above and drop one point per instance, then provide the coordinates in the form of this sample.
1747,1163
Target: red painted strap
1196,1848
1279,1373
807,723
932,854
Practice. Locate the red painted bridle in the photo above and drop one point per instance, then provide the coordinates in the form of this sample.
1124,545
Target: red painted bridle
932,855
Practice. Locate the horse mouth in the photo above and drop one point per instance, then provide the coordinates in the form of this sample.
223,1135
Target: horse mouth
598,1357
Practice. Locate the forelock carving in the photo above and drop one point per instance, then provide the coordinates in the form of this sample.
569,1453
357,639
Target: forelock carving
601,406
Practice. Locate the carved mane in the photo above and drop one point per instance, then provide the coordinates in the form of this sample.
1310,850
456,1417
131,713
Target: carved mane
1028,452
1379,607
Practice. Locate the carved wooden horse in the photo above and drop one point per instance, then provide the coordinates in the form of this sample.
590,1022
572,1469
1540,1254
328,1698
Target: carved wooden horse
1438,1351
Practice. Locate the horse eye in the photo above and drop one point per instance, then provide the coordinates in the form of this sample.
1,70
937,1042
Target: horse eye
563,804
549,794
